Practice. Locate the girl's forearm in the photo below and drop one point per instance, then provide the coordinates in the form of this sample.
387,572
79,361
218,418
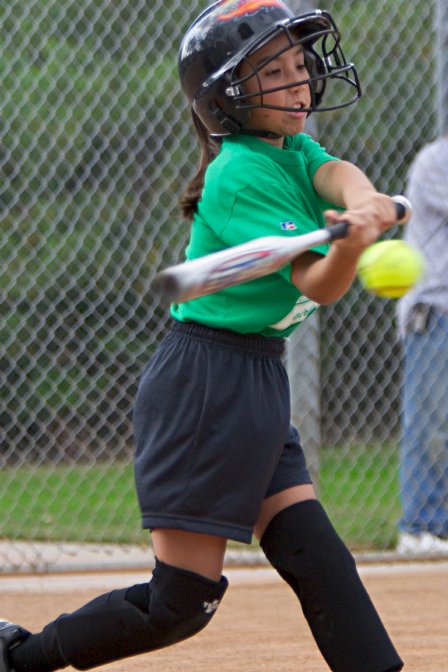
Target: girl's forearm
325,279
343,184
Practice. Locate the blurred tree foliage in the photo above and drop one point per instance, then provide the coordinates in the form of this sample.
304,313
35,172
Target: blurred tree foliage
91,168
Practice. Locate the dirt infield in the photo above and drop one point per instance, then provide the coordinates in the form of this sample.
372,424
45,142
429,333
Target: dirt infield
259,625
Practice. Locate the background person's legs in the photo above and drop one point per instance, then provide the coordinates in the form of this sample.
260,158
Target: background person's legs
424,444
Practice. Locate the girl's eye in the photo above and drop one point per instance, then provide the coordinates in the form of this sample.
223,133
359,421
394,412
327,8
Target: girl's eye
273,72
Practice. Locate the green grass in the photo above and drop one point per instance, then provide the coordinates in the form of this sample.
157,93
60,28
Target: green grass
97,503
93,503
359,488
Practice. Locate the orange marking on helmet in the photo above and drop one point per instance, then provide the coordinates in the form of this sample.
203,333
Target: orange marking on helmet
238,8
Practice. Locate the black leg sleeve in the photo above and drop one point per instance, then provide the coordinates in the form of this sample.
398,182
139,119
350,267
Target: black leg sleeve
173,606
302,545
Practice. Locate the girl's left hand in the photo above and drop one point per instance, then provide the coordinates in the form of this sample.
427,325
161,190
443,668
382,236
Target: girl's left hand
367,220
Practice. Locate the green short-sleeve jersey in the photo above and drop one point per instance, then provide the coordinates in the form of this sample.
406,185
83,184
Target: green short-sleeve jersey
255,189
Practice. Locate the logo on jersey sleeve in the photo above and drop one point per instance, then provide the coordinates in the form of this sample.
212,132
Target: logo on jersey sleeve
231,9
288,226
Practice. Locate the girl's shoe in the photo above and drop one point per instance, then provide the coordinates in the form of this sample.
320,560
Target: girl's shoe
10,636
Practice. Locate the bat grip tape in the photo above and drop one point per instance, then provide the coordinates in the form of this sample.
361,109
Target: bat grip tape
339,230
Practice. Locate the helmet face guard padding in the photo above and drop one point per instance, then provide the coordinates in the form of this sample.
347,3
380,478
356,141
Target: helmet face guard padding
217,91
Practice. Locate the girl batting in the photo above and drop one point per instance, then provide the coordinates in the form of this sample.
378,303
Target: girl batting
216,457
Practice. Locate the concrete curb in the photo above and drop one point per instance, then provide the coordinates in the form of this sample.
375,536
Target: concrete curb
41,558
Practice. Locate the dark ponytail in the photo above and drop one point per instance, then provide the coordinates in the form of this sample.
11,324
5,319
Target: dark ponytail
209,148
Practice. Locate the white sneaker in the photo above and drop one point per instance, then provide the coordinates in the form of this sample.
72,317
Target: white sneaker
421,544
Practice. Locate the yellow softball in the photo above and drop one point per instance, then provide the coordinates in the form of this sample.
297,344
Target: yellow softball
390,268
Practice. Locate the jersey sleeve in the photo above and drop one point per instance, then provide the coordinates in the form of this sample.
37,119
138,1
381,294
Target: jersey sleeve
315,155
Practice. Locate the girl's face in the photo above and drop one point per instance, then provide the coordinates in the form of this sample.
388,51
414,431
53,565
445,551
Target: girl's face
283,70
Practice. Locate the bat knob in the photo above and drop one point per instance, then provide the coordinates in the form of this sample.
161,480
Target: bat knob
403,208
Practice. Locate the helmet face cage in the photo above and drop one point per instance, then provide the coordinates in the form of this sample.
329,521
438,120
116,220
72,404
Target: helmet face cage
327,63
220,41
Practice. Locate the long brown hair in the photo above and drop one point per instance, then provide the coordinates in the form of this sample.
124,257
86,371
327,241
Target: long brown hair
209,148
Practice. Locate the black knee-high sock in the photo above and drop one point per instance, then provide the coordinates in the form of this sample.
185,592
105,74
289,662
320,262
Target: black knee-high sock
175,605
41,652
302,545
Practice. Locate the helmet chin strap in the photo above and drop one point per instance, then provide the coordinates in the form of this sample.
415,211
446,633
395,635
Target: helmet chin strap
260,133
234,128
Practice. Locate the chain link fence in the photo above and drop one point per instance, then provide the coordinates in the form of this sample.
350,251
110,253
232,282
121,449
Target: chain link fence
95,148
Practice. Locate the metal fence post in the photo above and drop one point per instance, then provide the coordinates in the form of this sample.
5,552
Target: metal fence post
304,374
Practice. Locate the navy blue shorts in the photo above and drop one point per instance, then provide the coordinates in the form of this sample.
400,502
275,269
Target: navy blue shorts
212,432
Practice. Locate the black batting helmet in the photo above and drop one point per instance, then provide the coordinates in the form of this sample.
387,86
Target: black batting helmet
229,31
